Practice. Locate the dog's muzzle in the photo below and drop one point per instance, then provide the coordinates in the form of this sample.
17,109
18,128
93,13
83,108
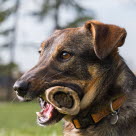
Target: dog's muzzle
64,99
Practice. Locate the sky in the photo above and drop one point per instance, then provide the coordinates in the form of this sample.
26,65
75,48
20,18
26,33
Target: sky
33,32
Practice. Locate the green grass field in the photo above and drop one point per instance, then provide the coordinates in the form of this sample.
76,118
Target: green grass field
19,119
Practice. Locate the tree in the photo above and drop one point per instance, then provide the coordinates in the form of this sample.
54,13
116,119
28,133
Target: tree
53,8
9,34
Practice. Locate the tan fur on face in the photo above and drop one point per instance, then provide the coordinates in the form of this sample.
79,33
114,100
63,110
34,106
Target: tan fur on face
90,91
121,78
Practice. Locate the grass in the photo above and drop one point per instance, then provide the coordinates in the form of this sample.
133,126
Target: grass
19,119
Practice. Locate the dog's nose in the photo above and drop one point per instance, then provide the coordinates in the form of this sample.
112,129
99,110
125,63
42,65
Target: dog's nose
21,87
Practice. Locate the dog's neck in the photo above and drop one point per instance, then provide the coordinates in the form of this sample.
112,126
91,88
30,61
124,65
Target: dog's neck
116,82
124,82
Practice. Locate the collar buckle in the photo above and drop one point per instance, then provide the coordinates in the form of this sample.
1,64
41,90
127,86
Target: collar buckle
83,122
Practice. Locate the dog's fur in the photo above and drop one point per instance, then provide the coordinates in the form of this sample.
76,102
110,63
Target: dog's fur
96,67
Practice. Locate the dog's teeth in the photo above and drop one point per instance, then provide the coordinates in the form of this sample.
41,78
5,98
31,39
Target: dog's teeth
49,116
39,114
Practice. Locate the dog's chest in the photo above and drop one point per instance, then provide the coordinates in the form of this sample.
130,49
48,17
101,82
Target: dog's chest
70,130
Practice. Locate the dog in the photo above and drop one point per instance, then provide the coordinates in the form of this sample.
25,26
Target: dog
85,59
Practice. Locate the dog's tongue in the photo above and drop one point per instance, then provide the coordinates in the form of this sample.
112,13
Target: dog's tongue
46,113
47,110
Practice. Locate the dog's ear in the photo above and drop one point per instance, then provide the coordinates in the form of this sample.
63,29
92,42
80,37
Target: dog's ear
105,37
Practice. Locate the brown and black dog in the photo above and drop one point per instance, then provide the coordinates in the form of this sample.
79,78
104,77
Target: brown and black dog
86,59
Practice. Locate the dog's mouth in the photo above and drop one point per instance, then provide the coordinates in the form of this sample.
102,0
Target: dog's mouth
48,113
57,102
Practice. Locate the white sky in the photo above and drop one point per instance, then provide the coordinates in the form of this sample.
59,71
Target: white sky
119,12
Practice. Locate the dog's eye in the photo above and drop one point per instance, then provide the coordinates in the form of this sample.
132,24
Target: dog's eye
65,55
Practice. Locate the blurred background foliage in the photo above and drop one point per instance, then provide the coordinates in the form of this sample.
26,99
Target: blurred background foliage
53,8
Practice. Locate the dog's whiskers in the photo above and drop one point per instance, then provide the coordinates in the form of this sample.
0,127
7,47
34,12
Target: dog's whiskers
54,75
44,76
13,99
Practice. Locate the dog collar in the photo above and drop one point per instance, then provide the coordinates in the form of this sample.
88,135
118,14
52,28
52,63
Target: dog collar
94,118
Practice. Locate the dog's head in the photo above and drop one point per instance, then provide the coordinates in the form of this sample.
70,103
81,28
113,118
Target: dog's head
75,58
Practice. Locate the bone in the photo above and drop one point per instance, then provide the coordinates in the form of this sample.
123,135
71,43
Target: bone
64,99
